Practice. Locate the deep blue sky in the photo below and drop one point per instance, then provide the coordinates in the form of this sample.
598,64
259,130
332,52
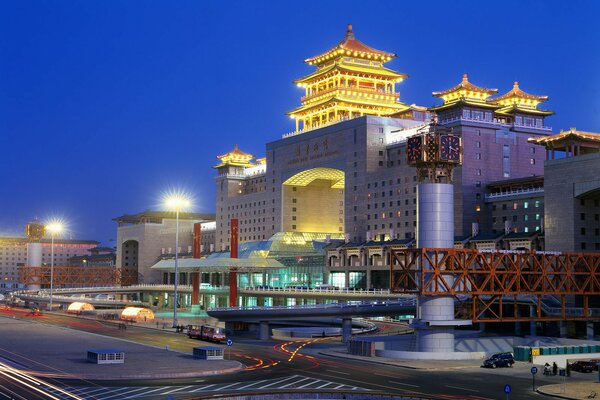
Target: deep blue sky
106,104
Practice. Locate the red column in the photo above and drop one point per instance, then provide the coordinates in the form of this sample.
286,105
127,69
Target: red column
233,249
196,254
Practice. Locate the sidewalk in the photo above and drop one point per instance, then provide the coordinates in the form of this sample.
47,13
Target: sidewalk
580,390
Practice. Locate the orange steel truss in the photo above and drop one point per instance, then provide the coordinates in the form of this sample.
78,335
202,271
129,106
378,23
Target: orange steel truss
498,282
77,276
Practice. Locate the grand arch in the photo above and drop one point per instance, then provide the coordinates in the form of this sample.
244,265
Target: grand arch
313,201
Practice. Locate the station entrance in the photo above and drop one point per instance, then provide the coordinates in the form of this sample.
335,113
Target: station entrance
313,201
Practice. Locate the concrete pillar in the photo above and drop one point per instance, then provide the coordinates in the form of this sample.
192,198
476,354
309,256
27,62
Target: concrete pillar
589,325
346,329
34,259
263,330
562,328
518,323
532,314
347,278
435,229
368,273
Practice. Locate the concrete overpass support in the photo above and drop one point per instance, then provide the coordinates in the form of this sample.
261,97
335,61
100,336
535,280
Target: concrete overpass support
589,325
532,314
263,330
435,229
34,259
562,329
346,329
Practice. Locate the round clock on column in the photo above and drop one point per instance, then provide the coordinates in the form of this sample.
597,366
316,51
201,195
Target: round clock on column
435,151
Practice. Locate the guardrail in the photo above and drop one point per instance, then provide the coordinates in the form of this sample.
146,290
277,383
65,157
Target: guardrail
401,302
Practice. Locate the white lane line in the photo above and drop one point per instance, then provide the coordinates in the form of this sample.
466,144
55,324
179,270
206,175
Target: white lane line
308,384
177,389
461,388
325,384
337,372
202,388
88,390
403,384
227,386
339,386
122,394
252,384
279,381
146,393
293,383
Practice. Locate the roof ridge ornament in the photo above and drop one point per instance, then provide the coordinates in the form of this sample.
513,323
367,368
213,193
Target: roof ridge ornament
349,33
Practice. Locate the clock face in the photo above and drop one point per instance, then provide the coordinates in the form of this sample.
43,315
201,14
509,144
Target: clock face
414,148
450,148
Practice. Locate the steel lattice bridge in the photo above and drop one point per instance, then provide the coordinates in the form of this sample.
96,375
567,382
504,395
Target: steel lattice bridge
497,281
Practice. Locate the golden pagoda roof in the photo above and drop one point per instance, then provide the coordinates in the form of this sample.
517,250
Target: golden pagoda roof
235,157
394,107
517,108
350,46
464,102
571,135
516,93
353,68
465,86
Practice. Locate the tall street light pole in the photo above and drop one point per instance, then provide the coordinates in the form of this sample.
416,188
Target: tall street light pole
176,203
54,229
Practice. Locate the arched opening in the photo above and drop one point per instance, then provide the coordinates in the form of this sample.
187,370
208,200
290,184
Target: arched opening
313,201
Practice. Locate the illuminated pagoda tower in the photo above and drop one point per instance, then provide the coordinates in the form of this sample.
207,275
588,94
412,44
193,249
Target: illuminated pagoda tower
520,108
350,81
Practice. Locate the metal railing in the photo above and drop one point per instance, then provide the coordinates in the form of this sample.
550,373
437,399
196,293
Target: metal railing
514,192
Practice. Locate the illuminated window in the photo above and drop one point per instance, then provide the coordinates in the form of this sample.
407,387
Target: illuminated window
525,204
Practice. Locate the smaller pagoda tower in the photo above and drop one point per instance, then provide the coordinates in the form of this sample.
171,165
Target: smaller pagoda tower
521,108
350,81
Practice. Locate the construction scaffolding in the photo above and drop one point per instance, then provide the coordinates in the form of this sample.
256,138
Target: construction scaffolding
493,286
65,276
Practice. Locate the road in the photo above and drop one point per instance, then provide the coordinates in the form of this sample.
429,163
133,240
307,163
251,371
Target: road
292,365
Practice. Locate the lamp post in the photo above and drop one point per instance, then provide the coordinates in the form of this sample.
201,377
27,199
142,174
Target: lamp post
176,203
54,229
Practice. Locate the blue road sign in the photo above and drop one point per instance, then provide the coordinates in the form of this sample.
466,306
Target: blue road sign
507,389
229,342
534,370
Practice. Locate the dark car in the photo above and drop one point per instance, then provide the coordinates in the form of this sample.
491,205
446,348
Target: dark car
499,360
583,366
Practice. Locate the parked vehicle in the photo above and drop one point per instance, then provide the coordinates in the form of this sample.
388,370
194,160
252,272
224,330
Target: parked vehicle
499,360
583,366
205,332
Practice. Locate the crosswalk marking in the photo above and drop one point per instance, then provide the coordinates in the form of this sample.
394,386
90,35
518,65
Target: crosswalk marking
135,392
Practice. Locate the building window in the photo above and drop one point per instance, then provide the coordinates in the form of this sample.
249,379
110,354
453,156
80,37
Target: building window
525,204
532,161
537,203
478,172
478,156
583,231
478,144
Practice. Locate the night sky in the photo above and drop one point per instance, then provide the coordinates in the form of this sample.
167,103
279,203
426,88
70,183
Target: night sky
104,105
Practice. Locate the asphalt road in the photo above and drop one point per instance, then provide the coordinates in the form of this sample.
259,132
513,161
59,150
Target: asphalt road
286,366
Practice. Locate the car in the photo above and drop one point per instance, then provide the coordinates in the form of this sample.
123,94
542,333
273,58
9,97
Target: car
583,366
499,360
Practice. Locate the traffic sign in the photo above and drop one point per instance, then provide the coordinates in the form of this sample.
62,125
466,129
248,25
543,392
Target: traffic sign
229,342
534,370
507,389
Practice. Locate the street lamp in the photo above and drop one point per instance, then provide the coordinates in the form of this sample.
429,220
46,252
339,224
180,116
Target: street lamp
176,203
54,228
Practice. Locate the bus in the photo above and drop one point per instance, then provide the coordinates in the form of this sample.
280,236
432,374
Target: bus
205,332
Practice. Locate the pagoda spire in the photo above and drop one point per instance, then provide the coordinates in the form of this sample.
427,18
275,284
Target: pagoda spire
350,81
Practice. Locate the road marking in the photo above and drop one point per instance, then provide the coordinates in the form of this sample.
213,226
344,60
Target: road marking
252,384
124,393
461,388
308,384
323,385
176,390
337,372
227,386
293,383
281,381
202,388
146,393
403,384
200,380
